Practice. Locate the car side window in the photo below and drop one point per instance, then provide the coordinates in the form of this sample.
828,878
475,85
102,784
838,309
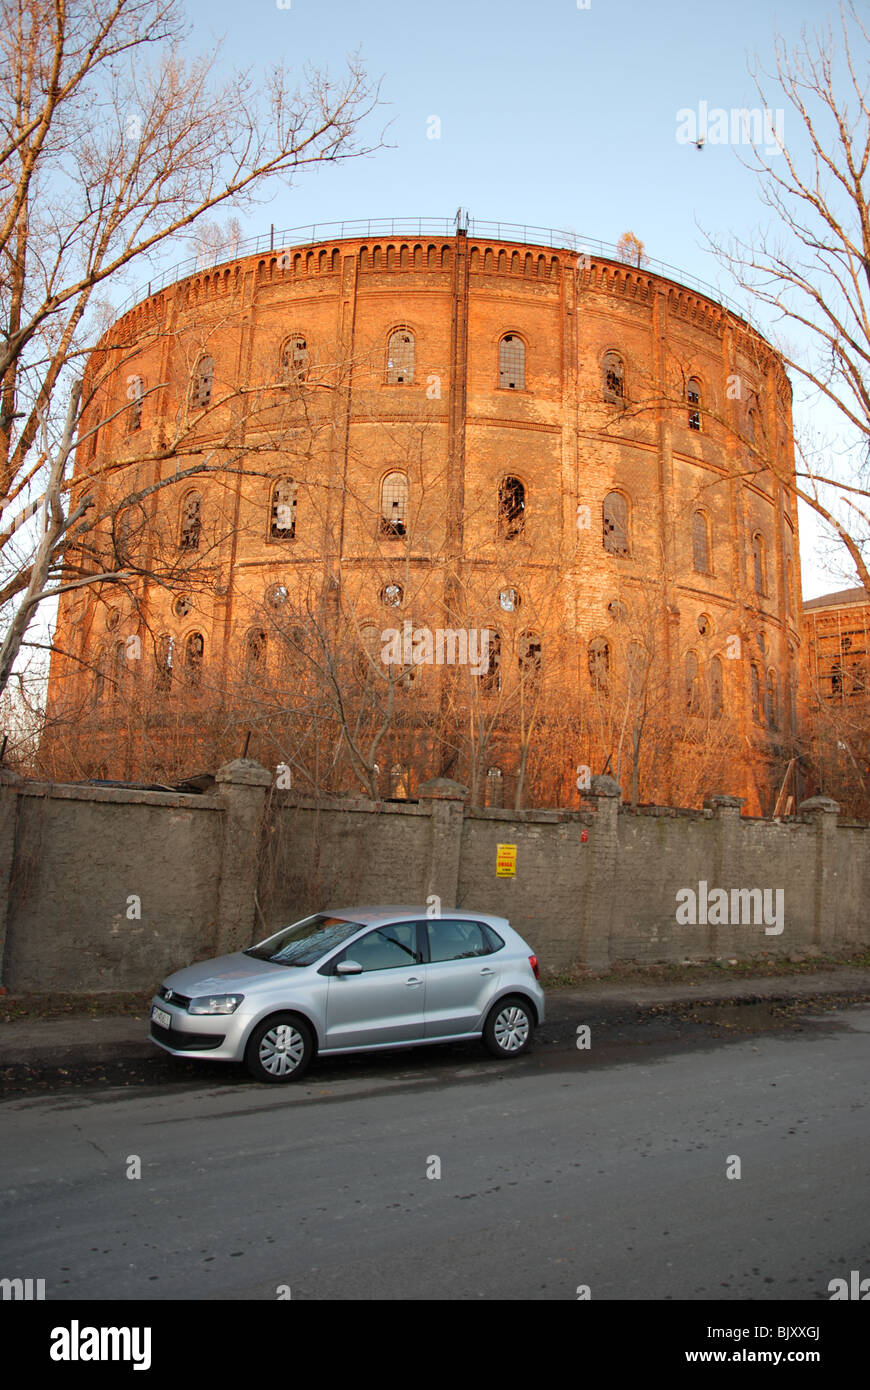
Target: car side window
456,940
385,948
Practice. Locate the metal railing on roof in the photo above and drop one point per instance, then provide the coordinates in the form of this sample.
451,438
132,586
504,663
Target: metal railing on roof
314,232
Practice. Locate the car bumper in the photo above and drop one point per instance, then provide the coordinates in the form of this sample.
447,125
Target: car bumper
220,1037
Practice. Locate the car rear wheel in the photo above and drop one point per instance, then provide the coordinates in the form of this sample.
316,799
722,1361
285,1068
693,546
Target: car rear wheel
280,1049
509,1027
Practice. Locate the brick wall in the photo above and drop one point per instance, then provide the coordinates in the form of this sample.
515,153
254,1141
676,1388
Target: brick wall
104,888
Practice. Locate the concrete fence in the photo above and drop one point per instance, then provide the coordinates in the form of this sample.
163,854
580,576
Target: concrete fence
111,888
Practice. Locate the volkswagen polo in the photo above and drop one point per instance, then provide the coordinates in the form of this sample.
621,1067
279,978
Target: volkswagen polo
351,980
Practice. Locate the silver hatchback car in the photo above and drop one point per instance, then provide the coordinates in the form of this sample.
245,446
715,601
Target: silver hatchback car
350,980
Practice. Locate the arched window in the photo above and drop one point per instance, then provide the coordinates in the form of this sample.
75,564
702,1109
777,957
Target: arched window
512,363
194,648
164,656
530,658
693,397
511,508
615,523
759,563
494,787
203,380
394,505
490,679
255,654
599,662
400,358
755,692
717,688
700,543
136,395
282,513
294,359
191,521
613,378
771,700
693,684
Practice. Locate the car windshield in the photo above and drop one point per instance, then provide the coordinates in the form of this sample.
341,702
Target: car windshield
306,941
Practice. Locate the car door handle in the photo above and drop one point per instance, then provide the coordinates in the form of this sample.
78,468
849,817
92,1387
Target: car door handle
487,971
414,980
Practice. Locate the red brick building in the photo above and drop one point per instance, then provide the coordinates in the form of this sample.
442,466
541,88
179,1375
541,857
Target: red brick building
473,427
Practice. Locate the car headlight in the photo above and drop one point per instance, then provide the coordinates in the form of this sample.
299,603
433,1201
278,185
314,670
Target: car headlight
215,1004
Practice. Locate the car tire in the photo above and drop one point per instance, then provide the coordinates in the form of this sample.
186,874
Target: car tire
509,1026
277,1056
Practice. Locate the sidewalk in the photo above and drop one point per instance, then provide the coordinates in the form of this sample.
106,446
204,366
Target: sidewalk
79,1041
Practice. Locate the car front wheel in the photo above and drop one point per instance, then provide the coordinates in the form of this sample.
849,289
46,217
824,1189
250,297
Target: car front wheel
280,1049
508,1028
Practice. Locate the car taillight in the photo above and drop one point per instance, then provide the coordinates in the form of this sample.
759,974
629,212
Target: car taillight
533,962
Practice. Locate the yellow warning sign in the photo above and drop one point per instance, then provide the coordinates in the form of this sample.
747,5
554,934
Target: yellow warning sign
505,861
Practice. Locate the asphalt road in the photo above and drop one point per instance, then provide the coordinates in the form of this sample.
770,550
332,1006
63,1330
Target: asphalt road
604,1168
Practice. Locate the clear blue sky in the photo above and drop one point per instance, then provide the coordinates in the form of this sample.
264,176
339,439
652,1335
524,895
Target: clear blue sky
550,114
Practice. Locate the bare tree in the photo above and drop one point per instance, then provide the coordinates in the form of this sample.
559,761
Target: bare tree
111,145
811,267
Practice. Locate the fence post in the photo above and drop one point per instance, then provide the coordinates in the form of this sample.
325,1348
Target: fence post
445,801
9,784
598,908
242,788
822,812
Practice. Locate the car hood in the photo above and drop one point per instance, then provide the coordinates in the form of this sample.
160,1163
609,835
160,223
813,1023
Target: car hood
223,975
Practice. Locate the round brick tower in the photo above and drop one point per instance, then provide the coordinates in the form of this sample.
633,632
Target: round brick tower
487,427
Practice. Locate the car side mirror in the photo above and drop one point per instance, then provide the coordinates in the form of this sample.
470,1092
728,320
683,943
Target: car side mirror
348,967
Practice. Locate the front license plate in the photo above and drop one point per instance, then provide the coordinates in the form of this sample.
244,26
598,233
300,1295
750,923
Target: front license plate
161,1016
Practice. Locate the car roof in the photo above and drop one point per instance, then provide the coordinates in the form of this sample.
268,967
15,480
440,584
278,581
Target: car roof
372,916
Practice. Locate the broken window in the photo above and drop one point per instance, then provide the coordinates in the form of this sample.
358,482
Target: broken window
490,679
164,659
282,526
700,543
512,363
693,396
191,521
394,504
615,524
294,359
613,382
202,381
599,662
530,657
193,653
400,358
511,507
255,654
